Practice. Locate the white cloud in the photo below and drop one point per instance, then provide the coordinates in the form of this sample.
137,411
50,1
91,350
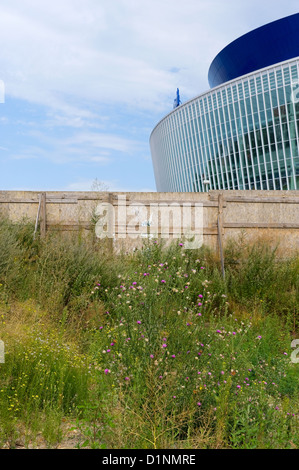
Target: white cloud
118,52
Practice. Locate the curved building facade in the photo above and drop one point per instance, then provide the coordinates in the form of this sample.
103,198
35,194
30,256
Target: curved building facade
244,132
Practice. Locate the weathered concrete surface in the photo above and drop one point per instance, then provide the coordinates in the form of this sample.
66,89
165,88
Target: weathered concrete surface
270,215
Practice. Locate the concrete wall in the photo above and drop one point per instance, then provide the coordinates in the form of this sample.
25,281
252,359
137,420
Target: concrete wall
218,215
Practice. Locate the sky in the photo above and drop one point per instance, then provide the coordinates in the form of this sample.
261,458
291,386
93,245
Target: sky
84,82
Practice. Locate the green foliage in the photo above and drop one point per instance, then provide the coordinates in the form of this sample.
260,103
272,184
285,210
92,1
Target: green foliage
177,356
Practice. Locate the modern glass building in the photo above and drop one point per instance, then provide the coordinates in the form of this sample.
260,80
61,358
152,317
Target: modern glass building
244,132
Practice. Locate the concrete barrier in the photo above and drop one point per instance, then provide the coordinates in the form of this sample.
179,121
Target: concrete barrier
216,216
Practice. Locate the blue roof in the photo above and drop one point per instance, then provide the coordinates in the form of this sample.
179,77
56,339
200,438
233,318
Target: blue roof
272,43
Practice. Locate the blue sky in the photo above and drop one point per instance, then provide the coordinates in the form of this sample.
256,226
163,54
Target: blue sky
86,81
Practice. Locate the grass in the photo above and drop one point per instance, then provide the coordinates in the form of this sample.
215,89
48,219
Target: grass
147,350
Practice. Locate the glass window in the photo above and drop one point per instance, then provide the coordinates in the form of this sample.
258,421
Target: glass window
252,86
261,102
272,80
256,119
240,90
274,98
281,96
294,72
267,100
263,118
250,121
254,104
242,108
286,75
246,89
248,106
226,113
279,77
258,84
237,111
235,94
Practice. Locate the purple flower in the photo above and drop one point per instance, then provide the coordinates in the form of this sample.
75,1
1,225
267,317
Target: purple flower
164,345
199,404
106,371
173,356
139,322
163,281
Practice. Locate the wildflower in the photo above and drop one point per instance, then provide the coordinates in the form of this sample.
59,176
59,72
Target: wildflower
199,404
163,281
106,371
139,322
152,356
164,345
